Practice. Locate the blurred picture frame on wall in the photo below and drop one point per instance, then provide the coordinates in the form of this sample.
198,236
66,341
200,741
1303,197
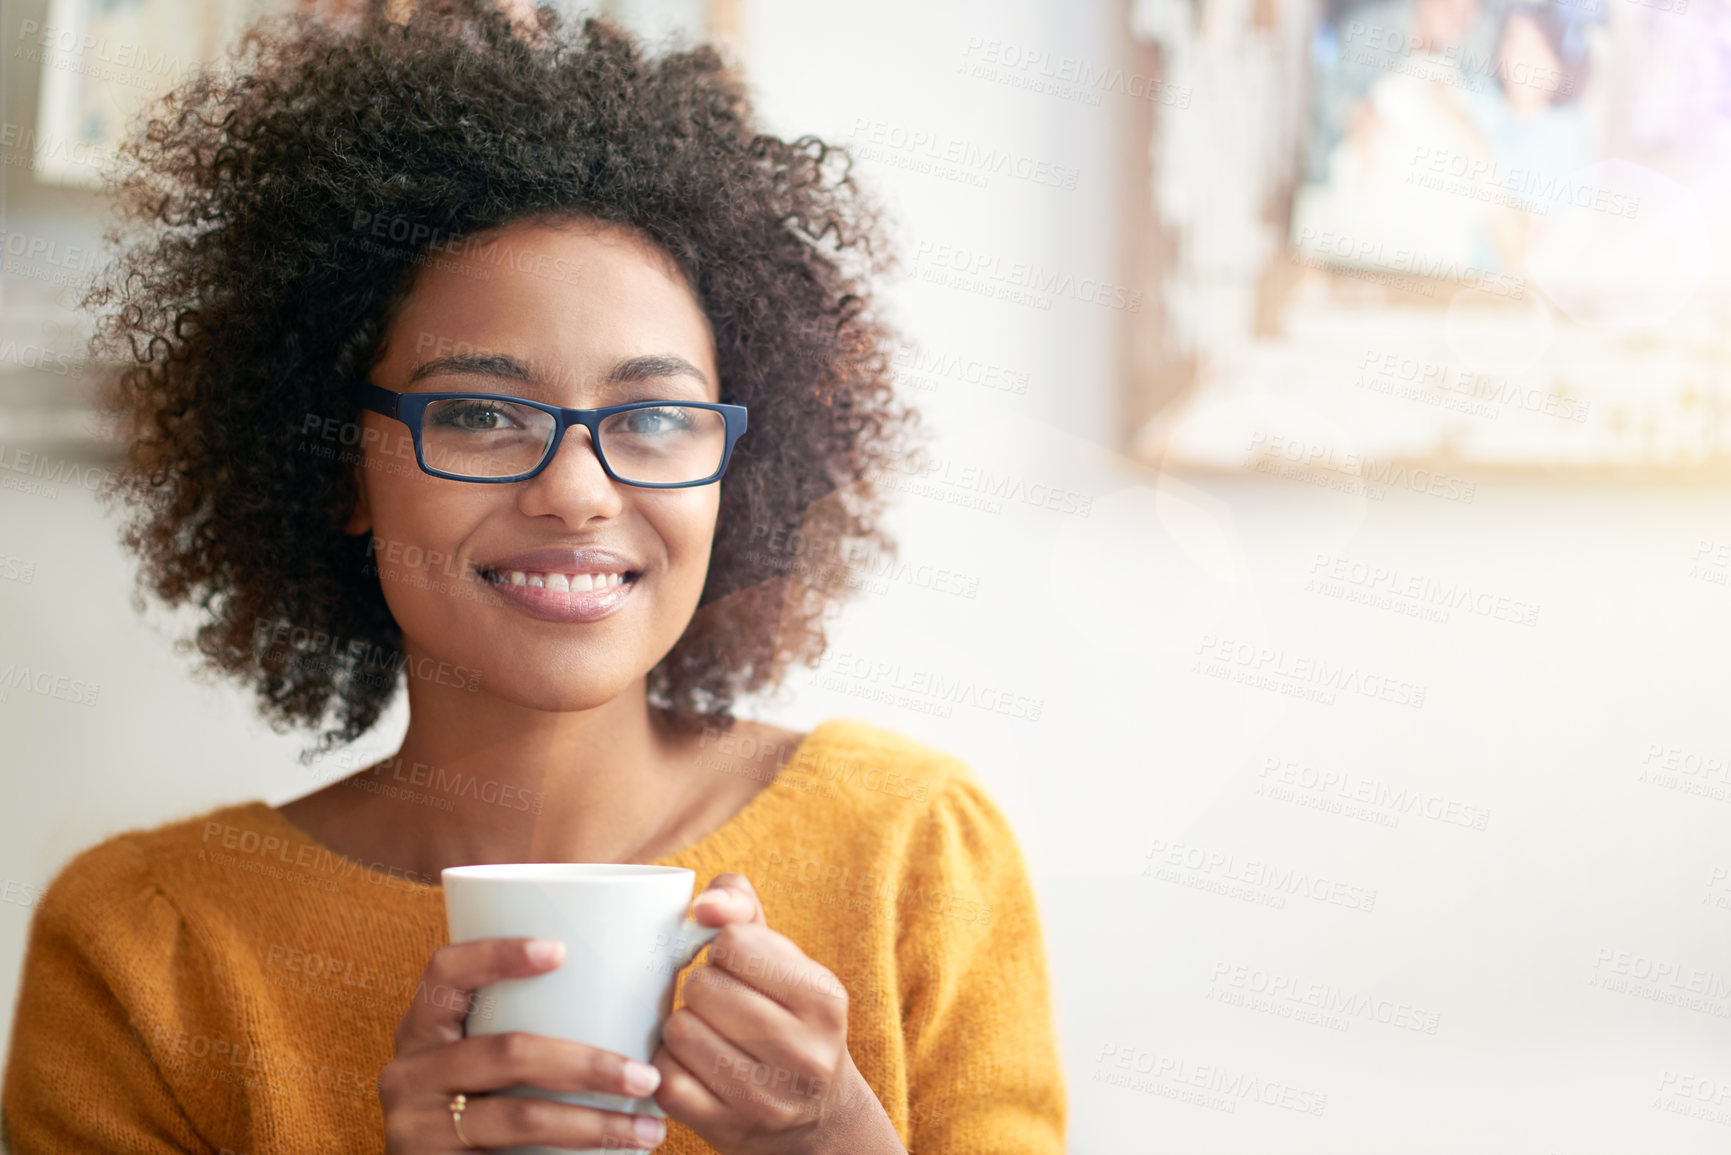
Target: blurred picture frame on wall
1497,104
103,61
1438,230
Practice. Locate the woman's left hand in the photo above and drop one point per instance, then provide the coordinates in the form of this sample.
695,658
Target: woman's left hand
756,1060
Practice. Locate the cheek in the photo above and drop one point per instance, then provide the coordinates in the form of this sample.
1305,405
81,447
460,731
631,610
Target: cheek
418,526
688,529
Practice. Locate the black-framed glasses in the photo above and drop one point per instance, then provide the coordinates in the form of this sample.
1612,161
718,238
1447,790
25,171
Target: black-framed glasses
491,437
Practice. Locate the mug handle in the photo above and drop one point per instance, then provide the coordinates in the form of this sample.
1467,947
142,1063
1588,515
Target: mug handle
692,937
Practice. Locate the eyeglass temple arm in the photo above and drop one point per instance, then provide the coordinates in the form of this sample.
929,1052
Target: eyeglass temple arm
379,400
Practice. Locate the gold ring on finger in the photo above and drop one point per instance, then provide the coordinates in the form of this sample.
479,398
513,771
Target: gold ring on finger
458,1103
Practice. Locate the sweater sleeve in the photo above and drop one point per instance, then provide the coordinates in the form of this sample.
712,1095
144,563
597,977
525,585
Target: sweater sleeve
983,1066
104,968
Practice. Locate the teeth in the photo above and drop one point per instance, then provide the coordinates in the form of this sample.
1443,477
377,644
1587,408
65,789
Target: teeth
575,583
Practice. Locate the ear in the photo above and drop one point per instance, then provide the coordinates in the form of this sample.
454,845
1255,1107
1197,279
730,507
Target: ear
361,520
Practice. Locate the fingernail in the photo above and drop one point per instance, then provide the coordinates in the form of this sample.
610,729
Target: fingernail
648,1129
641,1078
714,894
542,951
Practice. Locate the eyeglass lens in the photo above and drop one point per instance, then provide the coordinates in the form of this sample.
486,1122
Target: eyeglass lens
665,444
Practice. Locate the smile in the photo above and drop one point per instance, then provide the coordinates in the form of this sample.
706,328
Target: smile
561,597
580,582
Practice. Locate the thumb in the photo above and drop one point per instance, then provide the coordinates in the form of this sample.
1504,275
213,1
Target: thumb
727,898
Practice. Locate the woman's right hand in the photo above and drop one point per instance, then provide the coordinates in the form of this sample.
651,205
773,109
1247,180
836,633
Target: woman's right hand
435,1061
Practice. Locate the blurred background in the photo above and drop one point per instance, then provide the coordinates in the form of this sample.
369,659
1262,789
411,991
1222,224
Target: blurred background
1331,424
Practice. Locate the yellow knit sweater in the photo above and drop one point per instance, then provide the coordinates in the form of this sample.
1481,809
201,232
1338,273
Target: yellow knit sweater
226,984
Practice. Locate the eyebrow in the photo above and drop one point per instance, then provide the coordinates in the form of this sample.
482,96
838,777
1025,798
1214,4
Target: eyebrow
510,368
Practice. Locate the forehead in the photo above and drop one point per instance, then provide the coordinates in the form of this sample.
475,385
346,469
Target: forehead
573,293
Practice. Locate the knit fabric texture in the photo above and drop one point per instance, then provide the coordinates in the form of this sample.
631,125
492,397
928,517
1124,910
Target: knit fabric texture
226,984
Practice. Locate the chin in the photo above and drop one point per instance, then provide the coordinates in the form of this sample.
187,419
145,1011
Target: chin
560,699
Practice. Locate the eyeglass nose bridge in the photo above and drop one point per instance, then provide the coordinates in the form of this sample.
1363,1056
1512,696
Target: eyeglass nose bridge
565,425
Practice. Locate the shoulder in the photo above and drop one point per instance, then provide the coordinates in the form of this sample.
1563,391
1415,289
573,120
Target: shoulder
112,934
934,787
122,877
881,773
114,977
851,740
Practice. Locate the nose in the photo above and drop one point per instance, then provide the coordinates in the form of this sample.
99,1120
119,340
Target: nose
573,486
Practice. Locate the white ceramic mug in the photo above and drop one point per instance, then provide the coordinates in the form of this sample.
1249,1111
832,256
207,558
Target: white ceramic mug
626,936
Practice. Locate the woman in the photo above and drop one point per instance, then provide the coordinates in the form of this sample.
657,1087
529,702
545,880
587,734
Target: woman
522,223
1533,122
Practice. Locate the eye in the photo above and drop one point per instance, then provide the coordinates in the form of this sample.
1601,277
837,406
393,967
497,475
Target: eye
649,422
474,416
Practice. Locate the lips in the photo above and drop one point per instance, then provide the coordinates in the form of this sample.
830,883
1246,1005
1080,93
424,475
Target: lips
563,583
562,567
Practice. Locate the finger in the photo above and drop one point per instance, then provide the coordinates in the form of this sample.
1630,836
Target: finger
768,961
703,1051
455,972
731,1076
519,1058
520,1120
683,1095
727,899
760,1028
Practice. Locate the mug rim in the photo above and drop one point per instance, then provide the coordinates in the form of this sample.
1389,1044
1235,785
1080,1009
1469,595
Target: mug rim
560,871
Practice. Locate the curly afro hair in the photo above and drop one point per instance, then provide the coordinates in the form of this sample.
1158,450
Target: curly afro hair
259,293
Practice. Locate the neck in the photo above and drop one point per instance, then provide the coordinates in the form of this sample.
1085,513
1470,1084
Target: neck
488,780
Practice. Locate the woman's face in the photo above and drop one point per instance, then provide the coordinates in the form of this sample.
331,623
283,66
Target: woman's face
1530,69
570,314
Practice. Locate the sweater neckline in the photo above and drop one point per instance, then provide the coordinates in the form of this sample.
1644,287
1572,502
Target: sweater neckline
712,849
